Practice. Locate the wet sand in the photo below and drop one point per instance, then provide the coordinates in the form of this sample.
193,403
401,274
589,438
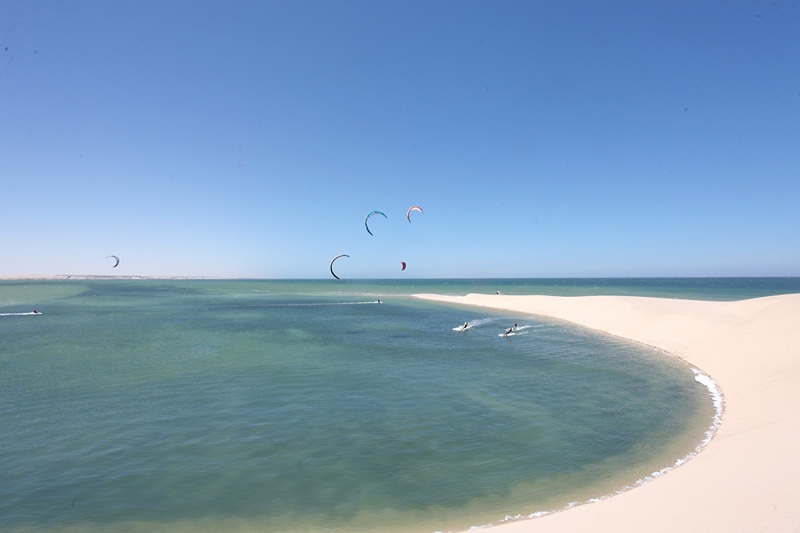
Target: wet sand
745,479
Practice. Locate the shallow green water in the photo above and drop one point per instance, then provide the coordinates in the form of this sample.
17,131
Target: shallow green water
301,406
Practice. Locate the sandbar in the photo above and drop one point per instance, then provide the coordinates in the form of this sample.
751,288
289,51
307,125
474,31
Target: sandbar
84,277
746,478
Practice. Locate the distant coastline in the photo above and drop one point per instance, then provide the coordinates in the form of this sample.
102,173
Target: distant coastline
58,277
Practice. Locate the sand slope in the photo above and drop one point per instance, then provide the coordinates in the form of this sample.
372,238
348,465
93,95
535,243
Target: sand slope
748,477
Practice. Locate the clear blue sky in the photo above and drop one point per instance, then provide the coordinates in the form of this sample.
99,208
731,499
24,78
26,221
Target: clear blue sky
541,138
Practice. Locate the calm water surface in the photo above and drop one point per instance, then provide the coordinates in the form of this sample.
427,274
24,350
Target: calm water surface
177,405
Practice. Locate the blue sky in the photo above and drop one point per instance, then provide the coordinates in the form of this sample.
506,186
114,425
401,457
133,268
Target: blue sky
541,138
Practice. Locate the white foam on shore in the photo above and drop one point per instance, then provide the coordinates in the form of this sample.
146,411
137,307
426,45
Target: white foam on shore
718,401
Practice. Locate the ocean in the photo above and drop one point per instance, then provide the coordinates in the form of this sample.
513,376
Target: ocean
336,406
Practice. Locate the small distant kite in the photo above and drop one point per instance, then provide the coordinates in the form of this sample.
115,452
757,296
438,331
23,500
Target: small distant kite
333,260
402,265
366,220
116,259
410,209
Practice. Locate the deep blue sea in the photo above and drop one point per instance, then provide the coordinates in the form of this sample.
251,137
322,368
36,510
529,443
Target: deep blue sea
336,406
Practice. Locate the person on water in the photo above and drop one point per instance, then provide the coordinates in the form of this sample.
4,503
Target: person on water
36,312
465,326
509,330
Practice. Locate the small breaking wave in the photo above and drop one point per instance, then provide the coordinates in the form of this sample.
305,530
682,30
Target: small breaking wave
718,401
320,304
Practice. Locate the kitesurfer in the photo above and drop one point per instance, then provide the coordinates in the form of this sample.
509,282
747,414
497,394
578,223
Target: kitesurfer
509,330
35,311
465,326
366,220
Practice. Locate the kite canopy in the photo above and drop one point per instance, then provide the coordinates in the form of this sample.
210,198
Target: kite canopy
366,220
115,259
410,209
333,260
403,263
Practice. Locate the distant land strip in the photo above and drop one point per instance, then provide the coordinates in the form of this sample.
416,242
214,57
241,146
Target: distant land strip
86,276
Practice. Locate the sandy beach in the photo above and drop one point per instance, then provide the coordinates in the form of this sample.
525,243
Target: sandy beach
745,479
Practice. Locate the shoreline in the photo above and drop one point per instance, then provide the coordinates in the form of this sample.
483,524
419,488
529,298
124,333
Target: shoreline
64,277
742,479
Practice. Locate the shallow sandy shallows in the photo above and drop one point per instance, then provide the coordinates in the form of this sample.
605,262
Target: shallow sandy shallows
748,477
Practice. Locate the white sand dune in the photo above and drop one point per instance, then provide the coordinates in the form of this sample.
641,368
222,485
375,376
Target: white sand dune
748,477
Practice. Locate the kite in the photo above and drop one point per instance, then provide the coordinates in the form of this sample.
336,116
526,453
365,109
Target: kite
332,261
366,220
116,259
412,208
403,263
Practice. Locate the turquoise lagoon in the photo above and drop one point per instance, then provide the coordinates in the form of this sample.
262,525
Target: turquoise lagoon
288,406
